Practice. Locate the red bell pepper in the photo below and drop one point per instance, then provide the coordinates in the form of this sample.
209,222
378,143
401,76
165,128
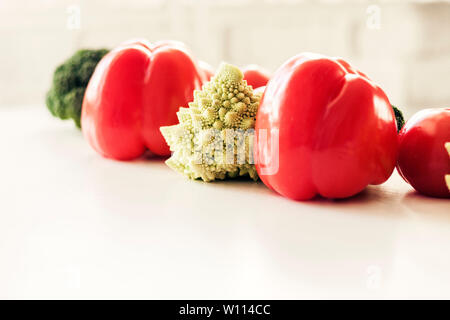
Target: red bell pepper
447,176
208,71
135,89
330,130
255,76
423,160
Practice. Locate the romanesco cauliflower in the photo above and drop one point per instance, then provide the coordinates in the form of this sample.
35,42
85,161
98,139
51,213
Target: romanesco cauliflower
214,137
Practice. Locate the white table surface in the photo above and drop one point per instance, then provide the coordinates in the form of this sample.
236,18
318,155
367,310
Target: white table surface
76,225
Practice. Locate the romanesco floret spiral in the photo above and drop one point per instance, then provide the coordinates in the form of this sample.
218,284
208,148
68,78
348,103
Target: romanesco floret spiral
214,137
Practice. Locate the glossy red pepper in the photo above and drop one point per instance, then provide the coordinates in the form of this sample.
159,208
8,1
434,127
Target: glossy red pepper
135,89
334,128
423,160
255,76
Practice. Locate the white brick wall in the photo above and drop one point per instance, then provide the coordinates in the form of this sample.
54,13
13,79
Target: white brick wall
409,55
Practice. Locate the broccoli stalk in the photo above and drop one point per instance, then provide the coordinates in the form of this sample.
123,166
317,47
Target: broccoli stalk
70,79
214,137
398,117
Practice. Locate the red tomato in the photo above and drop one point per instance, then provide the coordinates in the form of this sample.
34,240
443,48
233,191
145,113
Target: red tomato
255,76
423,160
330,130
135,89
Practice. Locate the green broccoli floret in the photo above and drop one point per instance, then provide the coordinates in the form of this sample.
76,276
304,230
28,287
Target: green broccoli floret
398,117
214,137
70,79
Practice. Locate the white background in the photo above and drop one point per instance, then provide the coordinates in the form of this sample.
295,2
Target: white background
403,45
75,225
